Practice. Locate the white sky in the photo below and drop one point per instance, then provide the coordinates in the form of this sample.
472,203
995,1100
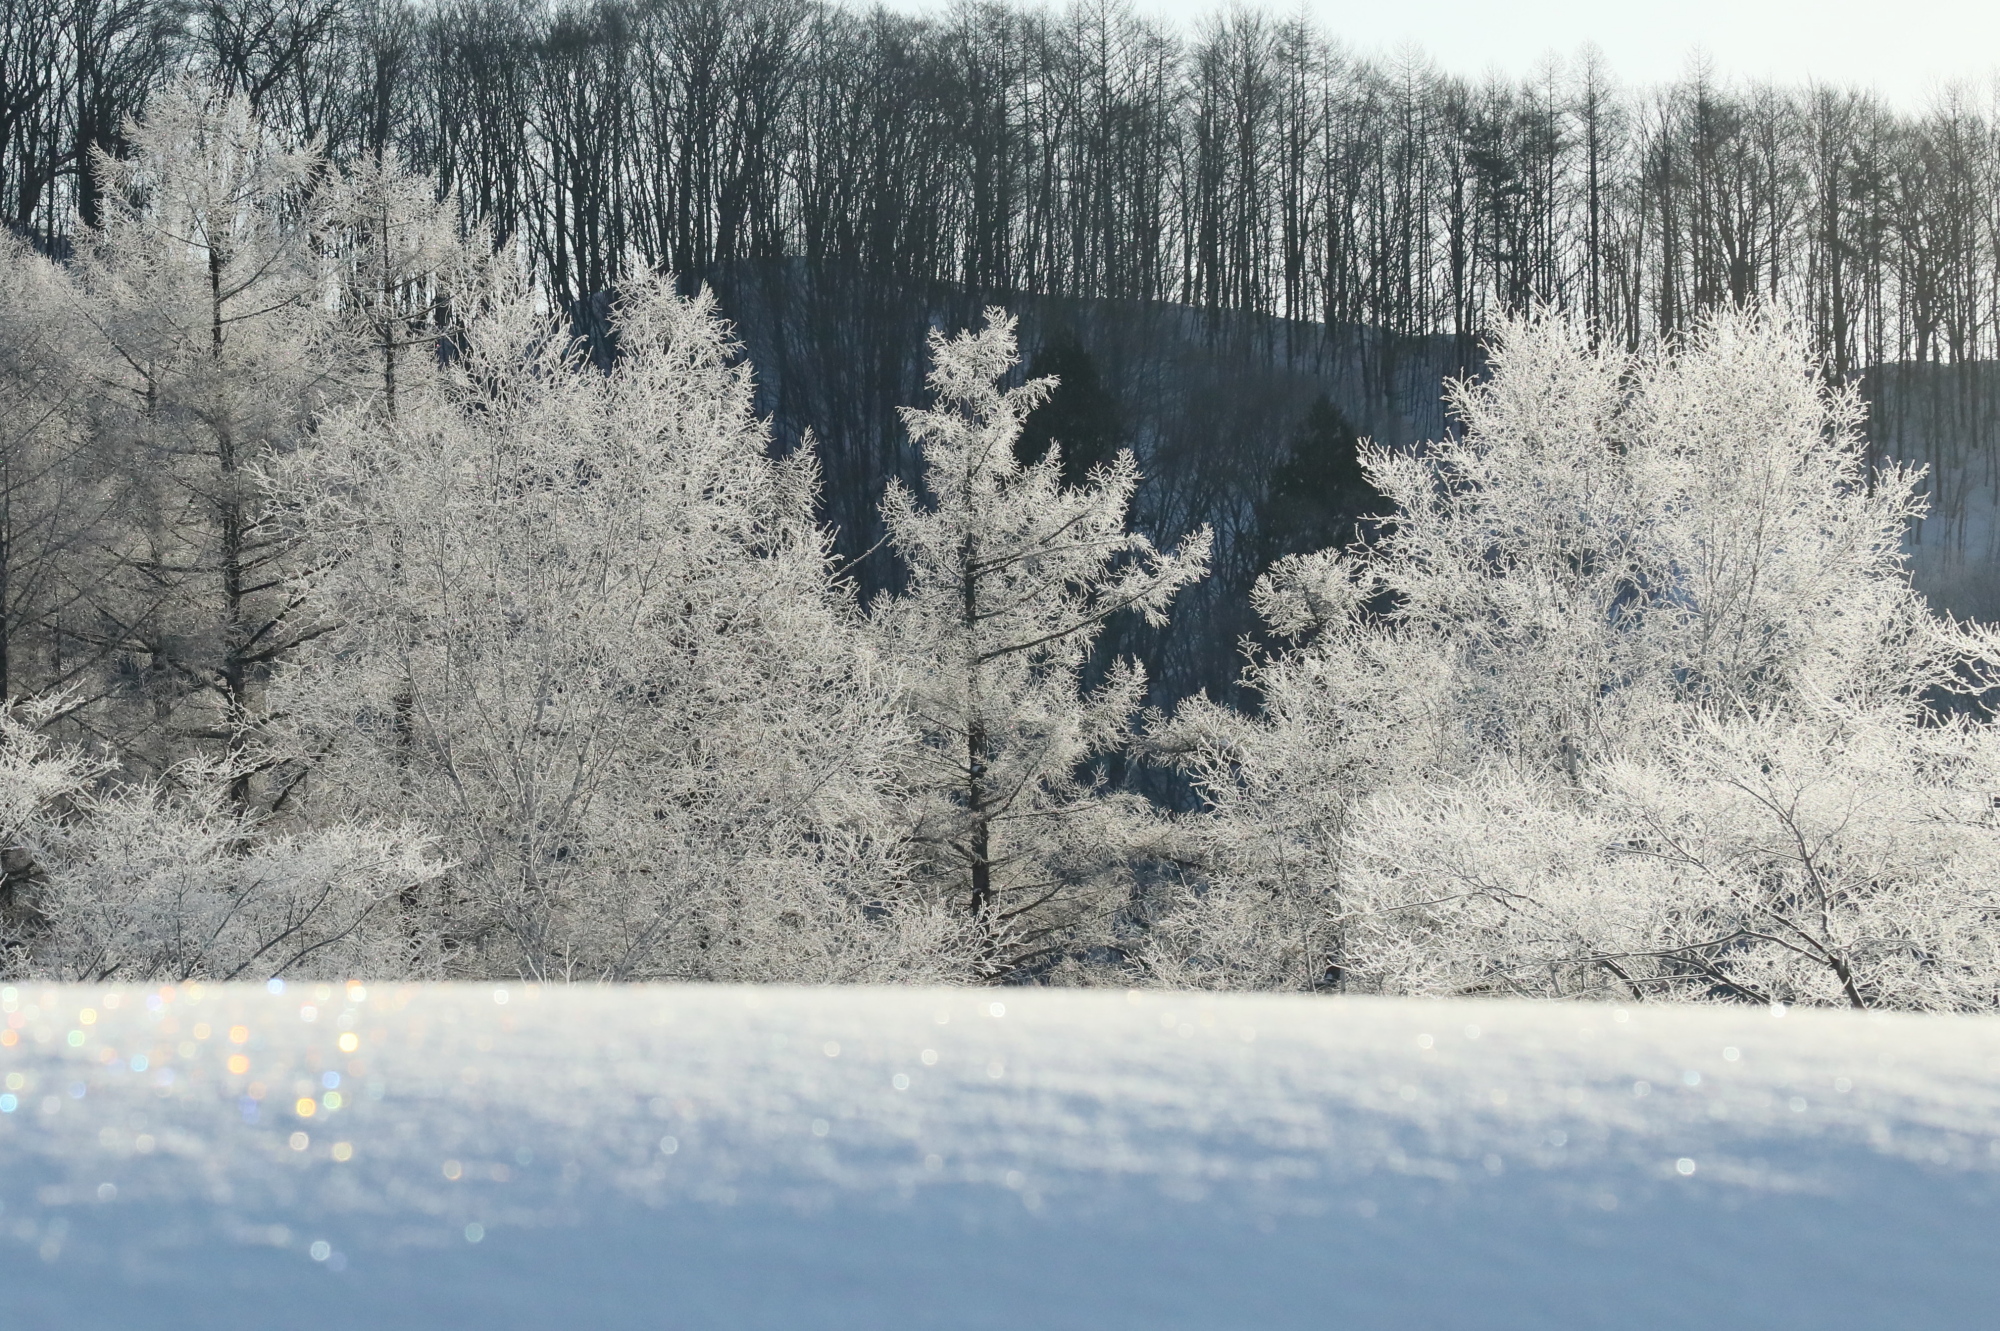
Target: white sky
1902,50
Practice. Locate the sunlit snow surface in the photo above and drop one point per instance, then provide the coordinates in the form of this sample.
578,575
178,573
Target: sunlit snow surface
735,1158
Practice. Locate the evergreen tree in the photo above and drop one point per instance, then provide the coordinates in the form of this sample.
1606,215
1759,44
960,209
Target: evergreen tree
1080,413
1011,576
204,295
1319,494
397,263
52,499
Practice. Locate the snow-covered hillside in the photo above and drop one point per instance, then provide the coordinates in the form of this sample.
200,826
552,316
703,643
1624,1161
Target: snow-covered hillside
473,1156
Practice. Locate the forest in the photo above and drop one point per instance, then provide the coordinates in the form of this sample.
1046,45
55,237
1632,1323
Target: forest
405,569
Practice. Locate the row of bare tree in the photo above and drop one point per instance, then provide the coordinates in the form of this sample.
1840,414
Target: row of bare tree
1253,164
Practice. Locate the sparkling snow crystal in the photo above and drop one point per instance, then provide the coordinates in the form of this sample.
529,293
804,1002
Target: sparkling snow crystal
501,1156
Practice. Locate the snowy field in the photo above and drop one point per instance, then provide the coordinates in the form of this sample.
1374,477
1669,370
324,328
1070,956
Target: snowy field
472,1156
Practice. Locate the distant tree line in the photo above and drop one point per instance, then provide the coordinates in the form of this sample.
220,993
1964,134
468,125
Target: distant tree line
1253,164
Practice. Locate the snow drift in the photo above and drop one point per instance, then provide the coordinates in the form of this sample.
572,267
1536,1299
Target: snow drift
422,1156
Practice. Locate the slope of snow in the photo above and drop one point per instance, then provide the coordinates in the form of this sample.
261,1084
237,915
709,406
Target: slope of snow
756,1158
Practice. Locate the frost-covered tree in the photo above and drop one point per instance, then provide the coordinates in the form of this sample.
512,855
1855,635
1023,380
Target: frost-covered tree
51,505
1011,576
209,314
590,635
168,879
397,264
1630,698
1834,856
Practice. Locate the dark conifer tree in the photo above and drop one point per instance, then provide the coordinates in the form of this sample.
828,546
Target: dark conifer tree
1082,414
1319,495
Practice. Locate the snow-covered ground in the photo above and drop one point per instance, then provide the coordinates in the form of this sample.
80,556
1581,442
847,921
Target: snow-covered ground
486,1157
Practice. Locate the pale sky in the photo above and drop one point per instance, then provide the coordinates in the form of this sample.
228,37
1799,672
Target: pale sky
1902,50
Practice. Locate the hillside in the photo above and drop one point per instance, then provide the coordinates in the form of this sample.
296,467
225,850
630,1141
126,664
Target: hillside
1217,406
